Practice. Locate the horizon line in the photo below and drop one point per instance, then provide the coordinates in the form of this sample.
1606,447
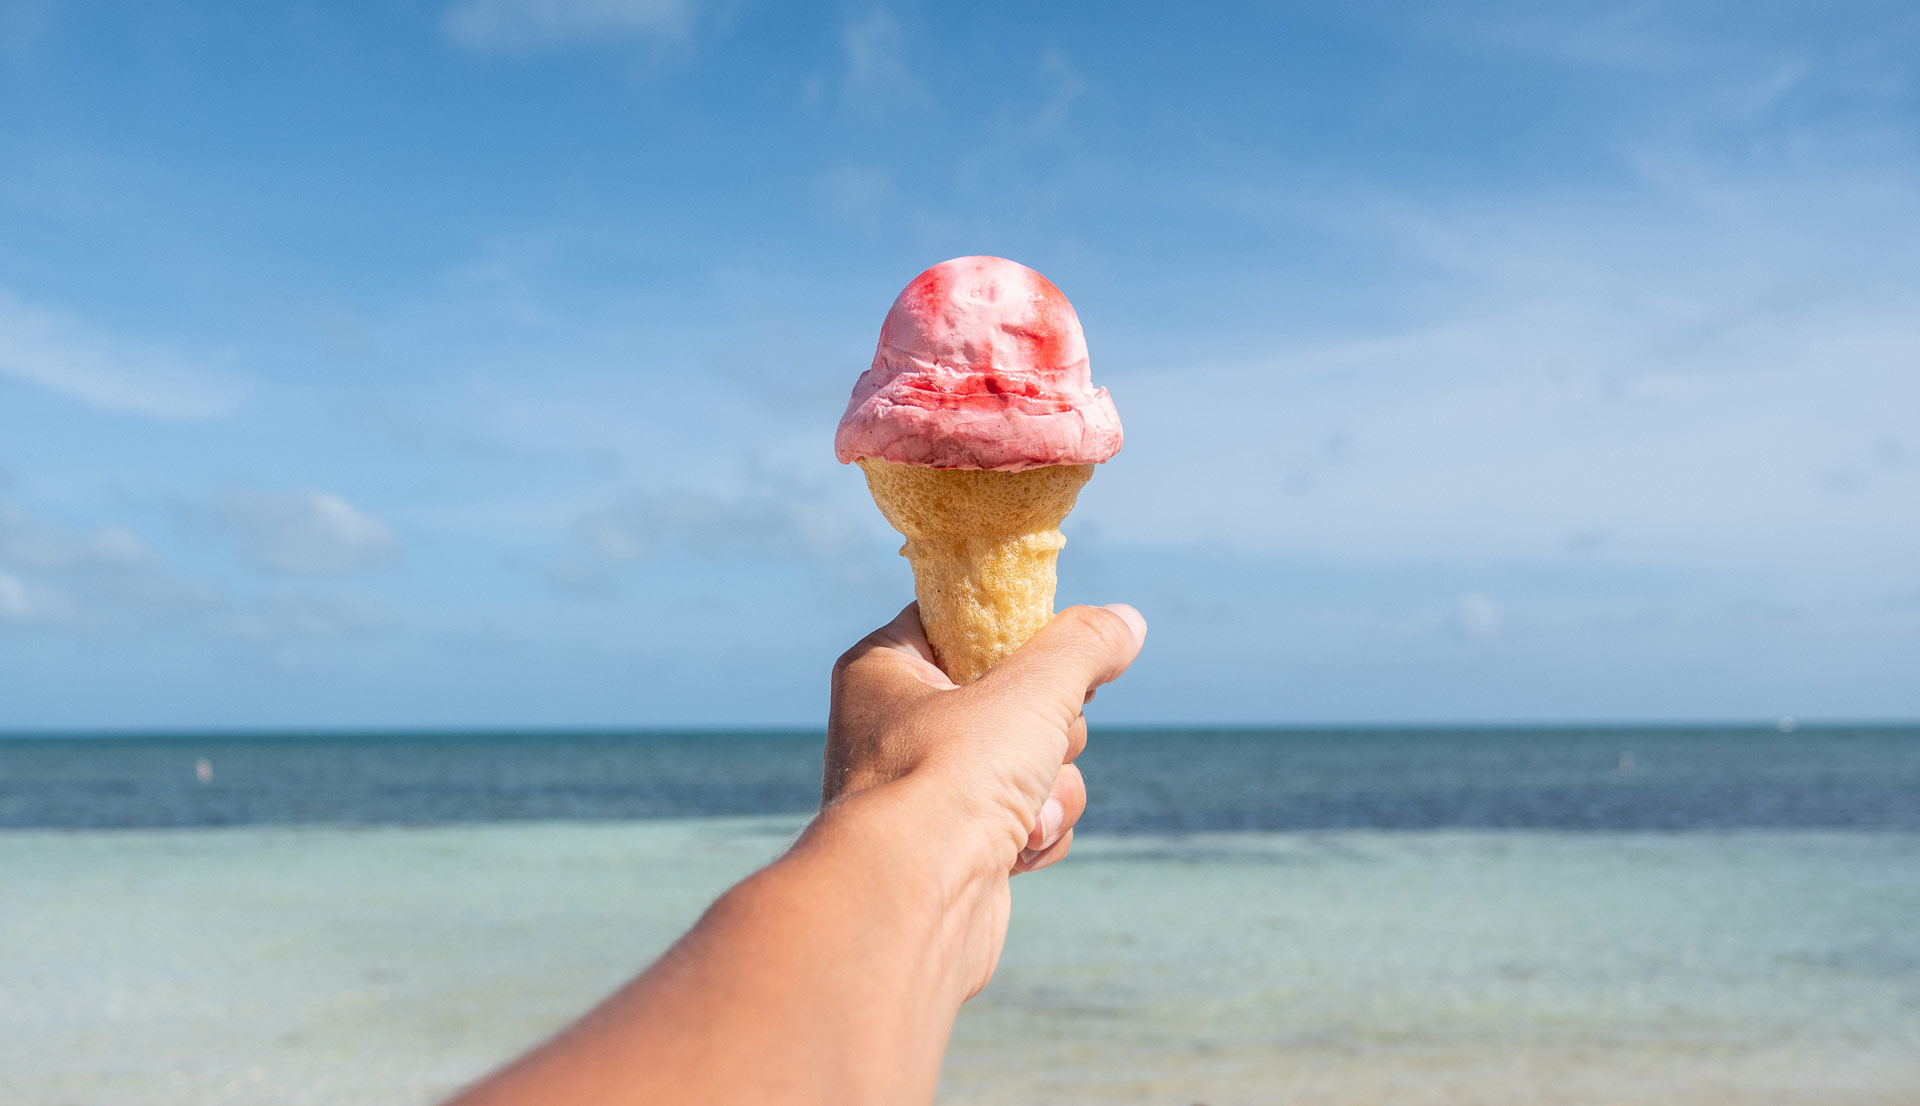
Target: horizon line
1780,725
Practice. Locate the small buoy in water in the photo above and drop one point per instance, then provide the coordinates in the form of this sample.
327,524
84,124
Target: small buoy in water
1626,763
1787,724
203,770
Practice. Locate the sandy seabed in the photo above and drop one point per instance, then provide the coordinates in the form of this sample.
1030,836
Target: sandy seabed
270,966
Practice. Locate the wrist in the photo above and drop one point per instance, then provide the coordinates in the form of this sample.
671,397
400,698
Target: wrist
919,825
919,845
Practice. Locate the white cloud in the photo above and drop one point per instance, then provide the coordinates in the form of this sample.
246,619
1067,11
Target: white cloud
305,615
56,579
16,604
1030,149
774,526
515,26
1480,617
879,79
853,196
1709,364
51,575
62,354
1641,38
1521,432
305,533
1068,86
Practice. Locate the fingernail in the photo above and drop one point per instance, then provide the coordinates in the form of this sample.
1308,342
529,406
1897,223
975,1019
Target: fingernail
1132,618
1028,856
1051,815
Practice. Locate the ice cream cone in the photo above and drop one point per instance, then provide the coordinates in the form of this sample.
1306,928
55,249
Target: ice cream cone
983,546
977,424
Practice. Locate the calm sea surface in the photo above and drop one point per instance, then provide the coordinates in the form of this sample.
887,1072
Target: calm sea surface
1862,779
1329,918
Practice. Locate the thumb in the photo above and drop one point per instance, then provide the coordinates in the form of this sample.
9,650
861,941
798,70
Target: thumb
1082,648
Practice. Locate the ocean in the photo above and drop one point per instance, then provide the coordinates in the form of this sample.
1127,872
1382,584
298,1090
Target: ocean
1158,781
1493,915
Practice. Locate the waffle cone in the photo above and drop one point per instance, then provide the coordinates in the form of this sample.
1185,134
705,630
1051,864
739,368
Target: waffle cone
983,546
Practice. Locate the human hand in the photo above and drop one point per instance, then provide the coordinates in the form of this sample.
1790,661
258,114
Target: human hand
834,973
1003,746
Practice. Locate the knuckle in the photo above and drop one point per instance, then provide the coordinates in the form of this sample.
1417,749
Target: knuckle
845,665
1103,627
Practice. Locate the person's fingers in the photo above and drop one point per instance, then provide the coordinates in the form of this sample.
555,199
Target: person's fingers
877,666
906,637
874,684
907,633
1064,805
1076,737
1032,860
1082,648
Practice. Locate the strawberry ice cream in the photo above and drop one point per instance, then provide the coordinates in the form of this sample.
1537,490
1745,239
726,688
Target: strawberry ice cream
976,427
981,365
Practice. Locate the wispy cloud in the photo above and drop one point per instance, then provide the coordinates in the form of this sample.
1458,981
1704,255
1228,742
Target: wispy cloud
1480,617
1029,150
305,615
304,533
53,575
775,524
1637,37
1521,328
879,79
773,527
18,603
1529,428
58,580
1067,86
854,196
1707,360
518,26
61,353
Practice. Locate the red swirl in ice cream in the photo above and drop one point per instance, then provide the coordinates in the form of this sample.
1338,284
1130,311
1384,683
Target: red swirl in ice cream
981,365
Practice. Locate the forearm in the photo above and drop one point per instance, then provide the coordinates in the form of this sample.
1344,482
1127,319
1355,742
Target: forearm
833,975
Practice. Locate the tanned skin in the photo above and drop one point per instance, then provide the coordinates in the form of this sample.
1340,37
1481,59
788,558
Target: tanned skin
833,975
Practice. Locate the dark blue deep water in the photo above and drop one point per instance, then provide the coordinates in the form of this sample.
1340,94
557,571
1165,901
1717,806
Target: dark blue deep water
1669,779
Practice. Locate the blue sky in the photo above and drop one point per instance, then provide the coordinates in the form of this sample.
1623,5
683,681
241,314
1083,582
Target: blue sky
477,362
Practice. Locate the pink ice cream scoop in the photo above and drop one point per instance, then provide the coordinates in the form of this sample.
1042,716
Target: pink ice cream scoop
981,365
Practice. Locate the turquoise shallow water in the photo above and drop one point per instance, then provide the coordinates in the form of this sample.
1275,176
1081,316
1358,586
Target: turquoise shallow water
1693,916
325,964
